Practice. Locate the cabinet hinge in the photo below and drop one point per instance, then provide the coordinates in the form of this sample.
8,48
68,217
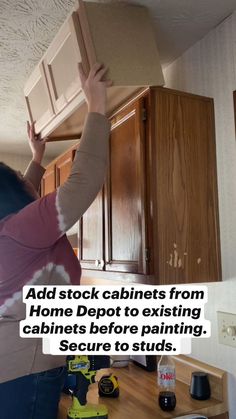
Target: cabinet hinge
144,114
147,254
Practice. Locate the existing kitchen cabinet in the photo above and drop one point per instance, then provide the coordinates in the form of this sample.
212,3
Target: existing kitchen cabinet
125,216
63,166
91,235
56,174
113,229
156,219
57,171
161,202
183,187
48,182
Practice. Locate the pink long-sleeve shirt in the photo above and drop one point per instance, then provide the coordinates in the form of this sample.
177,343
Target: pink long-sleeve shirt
34,249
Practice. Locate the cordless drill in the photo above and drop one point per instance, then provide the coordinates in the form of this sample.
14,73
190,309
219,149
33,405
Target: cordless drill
85,367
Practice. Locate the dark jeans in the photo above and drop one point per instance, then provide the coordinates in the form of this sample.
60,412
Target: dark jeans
34,396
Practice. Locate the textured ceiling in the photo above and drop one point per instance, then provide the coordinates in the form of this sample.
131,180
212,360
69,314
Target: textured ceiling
28,26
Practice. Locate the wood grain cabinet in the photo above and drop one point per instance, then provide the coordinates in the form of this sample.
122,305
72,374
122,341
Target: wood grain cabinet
156,218
125,215
57,171
183,187
48,182
113,229
63,166
91,235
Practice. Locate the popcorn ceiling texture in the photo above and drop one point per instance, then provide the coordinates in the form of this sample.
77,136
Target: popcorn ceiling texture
27,27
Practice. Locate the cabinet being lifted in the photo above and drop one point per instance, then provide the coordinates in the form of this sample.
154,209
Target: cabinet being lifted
95,32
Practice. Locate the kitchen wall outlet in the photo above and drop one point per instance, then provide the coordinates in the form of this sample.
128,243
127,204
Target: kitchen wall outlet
227,328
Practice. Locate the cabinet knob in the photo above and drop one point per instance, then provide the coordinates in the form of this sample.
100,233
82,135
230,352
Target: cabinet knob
97,262
102,263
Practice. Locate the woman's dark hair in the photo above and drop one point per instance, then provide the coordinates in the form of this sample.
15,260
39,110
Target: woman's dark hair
13,194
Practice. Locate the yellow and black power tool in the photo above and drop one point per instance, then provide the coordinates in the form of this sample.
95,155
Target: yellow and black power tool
85,368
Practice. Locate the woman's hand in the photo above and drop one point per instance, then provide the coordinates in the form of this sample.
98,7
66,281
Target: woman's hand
37,144
94,88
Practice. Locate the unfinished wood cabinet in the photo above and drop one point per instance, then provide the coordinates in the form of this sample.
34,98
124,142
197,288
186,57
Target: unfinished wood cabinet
61,63
95,32
121,36
38,99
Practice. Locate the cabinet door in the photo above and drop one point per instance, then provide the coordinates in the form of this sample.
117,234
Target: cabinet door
91,240
61,63
187,223
63,167
48,183
38,99
125,194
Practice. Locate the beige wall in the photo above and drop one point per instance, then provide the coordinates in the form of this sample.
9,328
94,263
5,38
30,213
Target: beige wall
209,68
17,161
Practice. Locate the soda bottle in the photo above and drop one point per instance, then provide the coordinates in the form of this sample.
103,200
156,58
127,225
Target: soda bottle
166,383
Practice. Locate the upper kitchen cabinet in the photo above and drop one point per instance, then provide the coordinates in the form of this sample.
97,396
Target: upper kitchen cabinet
38,99
57,172
121,36
91,235
156,219
107,33
63,166
183,187
61,63
48,182
125,232
161,201
113,229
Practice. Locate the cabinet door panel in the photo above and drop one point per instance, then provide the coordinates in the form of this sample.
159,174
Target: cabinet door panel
61,63
48,183
187,204
125,215
91,236
38,99
63,167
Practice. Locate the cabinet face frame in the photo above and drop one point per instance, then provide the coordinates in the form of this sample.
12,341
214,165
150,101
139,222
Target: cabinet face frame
37,75
142,264
70,29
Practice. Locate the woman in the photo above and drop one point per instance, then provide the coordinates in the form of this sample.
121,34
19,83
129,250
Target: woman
34,250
